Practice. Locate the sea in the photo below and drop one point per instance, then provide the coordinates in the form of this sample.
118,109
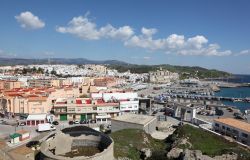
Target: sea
238,92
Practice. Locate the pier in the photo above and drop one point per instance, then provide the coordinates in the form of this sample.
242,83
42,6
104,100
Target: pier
206,97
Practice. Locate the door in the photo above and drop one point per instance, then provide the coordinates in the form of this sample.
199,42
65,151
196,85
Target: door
83,117
63,117
89,116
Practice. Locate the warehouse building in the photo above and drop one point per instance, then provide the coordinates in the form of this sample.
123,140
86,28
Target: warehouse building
136,121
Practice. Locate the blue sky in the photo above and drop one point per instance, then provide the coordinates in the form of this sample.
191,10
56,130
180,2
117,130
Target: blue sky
209,33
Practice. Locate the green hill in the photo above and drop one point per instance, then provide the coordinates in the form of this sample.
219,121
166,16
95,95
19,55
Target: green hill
184,71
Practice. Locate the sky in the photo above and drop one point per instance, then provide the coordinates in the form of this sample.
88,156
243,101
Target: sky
209,33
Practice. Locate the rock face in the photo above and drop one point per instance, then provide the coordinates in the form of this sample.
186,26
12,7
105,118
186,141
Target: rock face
174,153
146,153
232,156
195,155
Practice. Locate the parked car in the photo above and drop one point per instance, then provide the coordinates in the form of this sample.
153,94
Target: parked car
76,122
32,143
55,122
83,122
22,123
71,122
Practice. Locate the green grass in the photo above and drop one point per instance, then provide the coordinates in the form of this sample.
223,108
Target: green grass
128,142
209,144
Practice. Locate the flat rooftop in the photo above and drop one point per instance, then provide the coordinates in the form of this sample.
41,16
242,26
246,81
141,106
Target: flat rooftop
36,117
134,118
234,123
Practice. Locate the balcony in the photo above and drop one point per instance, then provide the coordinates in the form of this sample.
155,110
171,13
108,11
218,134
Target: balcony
108,111
60,111
73,105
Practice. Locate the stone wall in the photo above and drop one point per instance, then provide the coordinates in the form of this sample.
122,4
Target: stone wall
64,142
120,125
151,126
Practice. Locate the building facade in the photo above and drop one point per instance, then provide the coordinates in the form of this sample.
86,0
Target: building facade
100,106
236,129
84,109
162,76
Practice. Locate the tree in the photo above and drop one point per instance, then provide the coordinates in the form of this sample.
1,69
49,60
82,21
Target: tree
25,71
33,70
84,96
40,70
53,72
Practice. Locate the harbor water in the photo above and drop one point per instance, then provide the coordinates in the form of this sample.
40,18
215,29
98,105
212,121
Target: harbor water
239,92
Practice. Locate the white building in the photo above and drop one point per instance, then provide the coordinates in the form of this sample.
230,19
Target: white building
162,76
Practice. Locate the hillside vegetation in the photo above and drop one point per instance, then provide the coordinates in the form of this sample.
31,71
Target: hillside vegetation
208,143
129,142
184,71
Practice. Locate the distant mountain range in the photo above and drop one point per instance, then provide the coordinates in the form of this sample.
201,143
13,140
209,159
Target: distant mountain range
22,61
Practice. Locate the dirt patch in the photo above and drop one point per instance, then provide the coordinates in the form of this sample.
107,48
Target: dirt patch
82,151
2,144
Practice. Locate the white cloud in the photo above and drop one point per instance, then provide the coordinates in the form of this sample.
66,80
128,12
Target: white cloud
174,41
198,45
148,32
29,21
244,52
197,41
176,44
85,29
210,50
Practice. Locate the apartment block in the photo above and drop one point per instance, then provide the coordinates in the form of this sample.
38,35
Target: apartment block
101,106
162,76
33,100
9,84
84,109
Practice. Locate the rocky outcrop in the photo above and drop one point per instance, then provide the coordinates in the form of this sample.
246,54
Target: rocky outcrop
187,154
194,155
145,153
174,153
232,156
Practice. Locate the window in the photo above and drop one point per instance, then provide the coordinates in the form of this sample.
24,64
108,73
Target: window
235,131
223,127
217,125
71,109
244,135
228,129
